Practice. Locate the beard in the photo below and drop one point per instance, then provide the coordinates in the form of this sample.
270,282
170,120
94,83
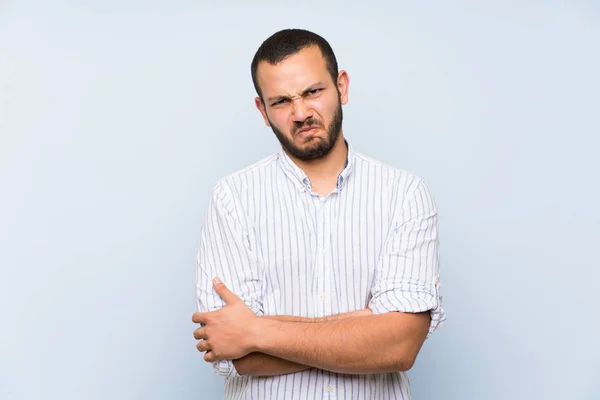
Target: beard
315,148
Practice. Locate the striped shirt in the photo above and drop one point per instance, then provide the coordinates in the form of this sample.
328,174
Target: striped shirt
285,250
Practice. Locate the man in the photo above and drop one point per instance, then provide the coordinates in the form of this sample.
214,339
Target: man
317,271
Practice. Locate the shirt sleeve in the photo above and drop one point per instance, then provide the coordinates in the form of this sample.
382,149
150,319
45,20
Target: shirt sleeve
407,275
228,249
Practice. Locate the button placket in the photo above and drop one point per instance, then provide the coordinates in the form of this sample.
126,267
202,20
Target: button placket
325,255
319,268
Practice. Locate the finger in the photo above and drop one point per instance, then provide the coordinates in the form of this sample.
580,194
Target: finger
209,357
224,292
203,345
200,333
199,317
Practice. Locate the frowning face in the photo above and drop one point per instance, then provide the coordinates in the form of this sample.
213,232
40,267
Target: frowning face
302,104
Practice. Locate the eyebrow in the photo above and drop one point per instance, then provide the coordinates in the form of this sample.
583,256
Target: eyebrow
305,91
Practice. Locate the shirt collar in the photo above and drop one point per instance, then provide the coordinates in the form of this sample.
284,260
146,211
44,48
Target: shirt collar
299,178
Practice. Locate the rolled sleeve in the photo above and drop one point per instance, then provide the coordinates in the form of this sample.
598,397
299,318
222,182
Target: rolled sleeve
228,249
408,276
225,368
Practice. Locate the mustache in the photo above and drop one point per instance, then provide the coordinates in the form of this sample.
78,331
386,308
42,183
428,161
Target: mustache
309,123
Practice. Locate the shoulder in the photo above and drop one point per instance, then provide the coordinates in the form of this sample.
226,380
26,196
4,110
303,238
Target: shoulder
407,193
227,193
235,181
402,182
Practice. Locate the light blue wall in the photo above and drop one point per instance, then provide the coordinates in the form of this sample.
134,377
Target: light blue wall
117,117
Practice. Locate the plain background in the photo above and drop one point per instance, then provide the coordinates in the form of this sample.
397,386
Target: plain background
116,117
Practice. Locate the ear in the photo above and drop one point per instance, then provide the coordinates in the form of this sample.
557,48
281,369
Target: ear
260,106
343,83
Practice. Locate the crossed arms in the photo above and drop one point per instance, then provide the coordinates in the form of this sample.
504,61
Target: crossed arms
261,364
355,343
384,337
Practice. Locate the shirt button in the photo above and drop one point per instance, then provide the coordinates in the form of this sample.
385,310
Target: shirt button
330,388
324,251
322,297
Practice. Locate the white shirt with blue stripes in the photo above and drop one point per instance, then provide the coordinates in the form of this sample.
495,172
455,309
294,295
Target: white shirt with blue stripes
285,250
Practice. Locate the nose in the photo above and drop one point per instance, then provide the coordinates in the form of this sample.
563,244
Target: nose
301,111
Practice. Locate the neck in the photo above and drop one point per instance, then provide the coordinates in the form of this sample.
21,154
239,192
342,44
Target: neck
325,170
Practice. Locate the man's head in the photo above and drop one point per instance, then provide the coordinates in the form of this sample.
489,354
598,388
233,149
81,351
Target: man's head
300,92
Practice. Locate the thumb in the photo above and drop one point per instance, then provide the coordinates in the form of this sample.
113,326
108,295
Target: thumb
224,292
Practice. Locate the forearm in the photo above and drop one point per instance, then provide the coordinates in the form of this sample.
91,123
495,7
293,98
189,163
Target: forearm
336,317
361,345
260,364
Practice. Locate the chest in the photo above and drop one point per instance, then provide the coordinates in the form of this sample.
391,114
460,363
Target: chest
320,253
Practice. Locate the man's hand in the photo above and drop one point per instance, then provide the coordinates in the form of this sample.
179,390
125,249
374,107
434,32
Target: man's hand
228,333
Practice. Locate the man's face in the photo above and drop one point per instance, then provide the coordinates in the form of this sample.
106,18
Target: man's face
302,104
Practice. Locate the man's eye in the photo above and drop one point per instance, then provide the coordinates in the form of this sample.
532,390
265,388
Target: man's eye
314,91
278,103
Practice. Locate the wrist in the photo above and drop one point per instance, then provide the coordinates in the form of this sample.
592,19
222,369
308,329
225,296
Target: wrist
259,331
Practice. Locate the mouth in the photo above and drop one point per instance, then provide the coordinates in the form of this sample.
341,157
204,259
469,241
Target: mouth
307,131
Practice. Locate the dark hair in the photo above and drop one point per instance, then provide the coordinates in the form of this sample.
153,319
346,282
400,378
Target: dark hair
287,42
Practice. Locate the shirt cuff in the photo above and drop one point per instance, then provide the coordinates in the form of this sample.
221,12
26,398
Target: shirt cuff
225,368
411,298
